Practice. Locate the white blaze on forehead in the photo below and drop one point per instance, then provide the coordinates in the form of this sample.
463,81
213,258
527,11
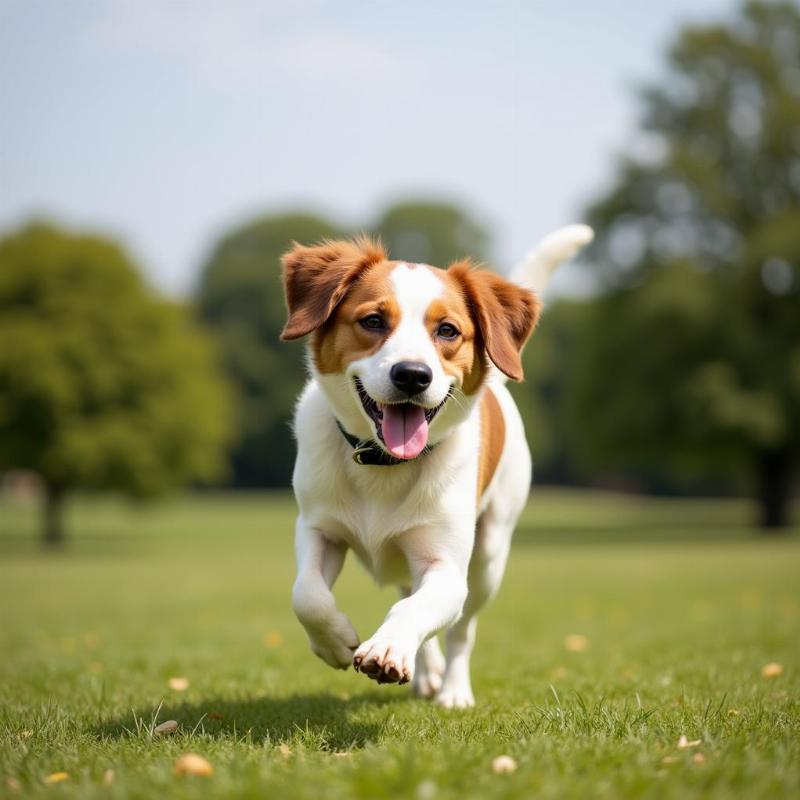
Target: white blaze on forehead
415,288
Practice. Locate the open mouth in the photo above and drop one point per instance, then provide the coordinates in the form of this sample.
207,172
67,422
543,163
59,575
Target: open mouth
401,427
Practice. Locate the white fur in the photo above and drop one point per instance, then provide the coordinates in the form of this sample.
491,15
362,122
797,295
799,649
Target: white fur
415,524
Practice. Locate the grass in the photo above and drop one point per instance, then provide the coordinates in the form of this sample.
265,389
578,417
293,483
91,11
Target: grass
681,604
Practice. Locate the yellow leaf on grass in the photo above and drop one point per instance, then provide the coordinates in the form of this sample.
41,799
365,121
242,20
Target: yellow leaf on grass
772,670
576,643
193,764
684,743
178,684
57,777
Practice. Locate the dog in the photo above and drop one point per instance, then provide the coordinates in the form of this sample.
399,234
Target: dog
410,449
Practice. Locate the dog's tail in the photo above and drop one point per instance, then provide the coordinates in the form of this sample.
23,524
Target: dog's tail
537,267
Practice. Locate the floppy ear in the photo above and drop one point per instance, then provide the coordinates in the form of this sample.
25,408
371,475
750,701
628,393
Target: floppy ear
315,279
505,313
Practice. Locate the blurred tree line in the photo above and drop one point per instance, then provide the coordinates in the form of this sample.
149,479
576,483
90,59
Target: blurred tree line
681,374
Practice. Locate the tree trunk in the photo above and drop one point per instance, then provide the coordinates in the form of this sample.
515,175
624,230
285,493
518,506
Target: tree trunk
53,530
775,472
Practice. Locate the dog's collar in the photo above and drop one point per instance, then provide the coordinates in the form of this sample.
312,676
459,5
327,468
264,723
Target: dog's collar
367,452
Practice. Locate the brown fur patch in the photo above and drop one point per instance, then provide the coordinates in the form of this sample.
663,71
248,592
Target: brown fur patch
342,338
316,278
493,437
505,315
458,357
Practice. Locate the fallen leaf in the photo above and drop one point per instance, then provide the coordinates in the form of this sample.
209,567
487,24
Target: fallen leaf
699,758
733,712
215,715
193,764
503,764
57,777
684,743
178,684
108,777
272,639
426,790
165,728
772,670
576,643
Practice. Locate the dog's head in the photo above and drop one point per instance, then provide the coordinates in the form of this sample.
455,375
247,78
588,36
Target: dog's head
399,348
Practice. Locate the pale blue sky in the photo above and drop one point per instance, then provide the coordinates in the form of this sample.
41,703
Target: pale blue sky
166,122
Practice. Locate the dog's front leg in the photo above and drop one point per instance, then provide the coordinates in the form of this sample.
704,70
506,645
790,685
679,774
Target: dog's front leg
319,562
439,573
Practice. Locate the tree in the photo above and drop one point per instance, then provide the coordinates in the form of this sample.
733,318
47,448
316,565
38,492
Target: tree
431,232
102,385
241,299
693,353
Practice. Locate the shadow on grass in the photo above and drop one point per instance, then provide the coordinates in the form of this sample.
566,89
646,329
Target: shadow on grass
325,720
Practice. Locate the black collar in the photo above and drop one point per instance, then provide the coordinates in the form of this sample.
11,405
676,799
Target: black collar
367,452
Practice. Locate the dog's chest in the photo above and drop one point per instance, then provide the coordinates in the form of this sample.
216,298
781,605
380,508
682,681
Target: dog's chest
371,519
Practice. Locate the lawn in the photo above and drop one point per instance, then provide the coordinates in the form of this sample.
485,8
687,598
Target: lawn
623,624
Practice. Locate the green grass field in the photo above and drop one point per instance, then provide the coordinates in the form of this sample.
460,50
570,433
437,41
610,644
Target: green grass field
681,605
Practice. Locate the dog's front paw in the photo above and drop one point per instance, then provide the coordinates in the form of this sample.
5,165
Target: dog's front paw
335,643
385,660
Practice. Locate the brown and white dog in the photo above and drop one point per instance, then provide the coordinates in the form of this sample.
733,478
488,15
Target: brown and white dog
411,451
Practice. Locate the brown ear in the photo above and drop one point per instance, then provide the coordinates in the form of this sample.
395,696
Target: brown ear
315,279
506,314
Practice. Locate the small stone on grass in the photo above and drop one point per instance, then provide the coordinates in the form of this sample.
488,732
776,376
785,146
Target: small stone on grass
165,728
503,764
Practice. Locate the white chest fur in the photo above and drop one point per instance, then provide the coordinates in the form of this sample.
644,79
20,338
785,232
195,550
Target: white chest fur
368,507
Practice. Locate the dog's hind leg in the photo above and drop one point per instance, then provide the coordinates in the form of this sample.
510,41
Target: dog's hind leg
492,543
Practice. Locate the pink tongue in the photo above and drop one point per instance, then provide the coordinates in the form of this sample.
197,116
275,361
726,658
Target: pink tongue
404,429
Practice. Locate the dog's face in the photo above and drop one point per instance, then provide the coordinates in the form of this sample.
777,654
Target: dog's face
400,342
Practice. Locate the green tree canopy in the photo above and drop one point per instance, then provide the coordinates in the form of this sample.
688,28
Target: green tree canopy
694,352
431,232
102,386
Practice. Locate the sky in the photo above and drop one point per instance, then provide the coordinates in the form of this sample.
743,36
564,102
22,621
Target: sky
166,123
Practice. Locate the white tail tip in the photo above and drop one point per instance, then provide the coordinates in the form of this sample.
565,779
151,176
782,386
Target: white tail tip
535,269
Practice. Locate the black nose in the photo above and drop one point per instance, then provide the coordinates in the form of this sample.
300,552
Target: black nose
411,377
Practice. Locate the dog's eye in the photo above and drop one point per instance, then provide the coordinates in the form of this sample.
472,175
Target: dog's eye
447,331
373,322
